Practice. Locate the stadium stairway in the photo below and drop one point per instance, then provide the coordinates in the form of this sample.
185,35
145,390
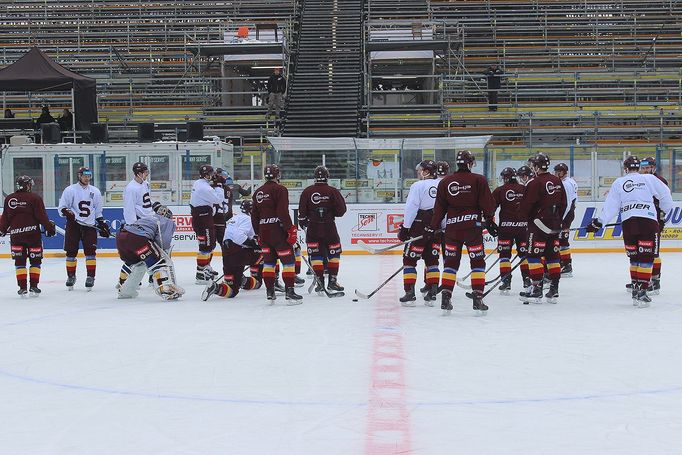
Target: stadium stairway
325,87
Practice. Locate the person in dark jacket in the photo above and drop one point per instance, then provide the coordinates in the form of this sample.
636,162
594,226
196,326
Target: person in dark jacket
66,120
277,85
9,113
45,117
492,74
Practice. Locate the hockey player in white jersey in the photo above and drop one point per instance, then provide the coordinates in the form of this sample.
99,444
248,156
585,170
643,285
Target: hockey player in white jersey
571,189
418,212
81,205
202,202
632,195
144,246
240,249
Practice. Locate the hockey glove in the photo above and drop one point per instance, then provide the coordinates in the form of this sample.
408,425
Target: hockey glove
403,234
155,206
661,220
429,233
303,222
68,214
491,226
251,243
292,235
103,228
594,226
50,229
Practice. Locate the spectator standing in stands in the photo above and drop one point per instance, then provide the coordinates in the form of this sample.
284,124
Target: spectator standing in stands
9,113
66,120
277,85
45,117
494,82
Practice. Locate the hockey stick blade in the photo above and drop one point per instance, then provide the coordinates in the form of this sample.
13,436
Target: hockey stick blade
364,246
361,295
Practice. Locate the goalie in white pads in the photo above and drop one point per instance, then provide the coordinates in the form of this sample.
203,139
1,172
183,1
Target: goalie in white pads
143,246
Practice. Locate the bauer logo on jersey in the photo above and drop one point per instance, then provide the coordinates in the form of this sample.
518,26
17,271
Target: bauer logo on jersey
512,195
432,191
629,185
316,198
454,188
552,188
463,218
261,196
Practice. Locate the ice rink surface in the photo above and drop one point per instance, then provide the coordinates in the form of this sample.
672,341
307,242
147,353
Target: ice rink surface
85,373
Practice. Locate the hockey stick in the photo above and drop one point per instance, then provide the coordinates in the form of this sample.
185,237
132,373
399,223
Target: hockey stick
320,283
369,296
464,285
544,228
468,286
366,247
495,281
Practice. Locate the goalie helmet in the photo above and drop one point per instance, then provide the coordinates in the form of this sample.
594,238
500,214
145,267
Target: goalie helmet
162,210
271,172
631,163
246,206
442,168
24,183
139,168
321,174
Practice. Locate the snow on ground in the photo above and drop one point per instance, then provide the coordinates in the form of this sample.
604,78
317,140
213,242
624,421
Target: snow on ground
85,373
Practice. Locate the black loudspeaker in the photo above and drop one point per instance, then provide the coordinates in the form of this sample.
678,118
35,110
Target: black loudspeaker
99,133
50,132
145,132
195,131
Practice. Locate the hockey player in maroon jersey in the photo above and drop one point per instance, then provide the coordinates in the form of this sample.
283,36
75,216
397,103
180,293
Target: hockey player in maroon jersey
512,228
22,216
544,200
276,233
240,249
648,166
464,199
318,205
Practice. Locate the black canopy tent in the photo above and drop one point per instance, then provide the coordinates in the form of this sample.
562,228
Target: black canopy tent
35,71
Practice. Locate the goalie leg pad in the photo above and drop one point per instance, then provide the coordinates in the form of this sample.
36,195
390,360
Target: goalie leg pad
128,289
163,282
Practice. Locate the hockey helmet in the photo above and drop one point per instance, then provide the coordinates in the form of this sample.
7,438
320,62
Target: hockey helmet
508,174
561,167
540,161
648,162
321,174
24,183
139,168
465,159
83,171
162,210
246,206
442,168
206,171
271,172
631,163
428,166
524,171
220,176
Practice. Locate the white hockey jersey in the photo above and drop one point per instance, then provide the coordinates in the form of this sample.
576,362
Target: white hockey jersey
137,201
84,201
422,196
204,194
571,190
239,228
632,195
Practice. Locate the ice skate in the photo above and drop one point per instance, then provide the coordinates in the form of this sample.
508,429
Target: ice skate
211,289
445,303
209,271
532,296
319,286
270,295
505,286
203,276
279,287
552,295
22,293
478,305
424,289
567,270
89,283
34,291
409,299
298,281
70,281
292,298
654,287
333,284
642,298
431,294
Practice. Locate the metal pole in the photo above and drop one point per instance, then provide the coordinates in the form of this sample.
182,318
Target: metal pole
73,113
324,160
252,180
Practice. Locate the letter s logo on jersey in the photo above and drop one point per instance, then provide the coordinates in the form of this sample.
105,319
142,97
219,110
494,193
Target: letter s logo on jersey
454,188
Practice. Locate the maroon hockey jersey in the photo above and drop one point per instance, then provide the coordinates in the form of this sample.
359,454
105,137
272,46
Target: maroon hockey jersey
508,198
270,208
22,216
462,198
320,204
545,199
